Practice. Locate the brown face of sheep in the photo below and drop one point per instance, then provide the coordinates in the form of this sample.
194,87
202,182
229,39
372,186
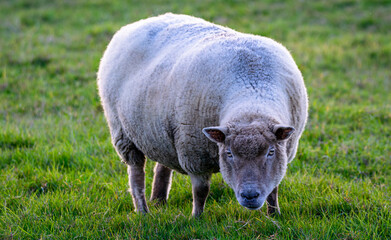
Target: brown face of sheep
253,160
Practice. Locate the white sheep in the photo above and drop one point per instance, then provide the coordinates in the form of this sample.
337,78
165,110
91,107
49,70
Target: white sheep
166,81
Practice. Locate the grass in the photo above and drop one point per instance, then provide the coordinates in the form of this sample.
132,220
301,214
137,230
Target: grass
60,178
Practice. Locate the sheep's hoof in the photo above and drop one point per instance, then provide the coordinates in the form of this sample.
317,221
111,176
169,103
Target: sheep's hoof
143,211
273,211
157,202
196,214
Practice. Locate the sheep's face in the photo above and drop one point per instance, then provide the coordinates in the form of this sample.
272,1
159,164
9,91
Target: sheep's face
253,159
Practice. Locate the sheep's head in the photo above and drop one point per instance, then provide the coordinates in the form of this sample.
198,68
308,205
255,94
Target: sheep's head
253,158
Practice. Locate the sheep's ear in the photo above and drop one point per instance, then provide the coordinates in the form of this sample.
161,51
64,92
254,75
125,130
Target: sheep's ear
216,134
283,132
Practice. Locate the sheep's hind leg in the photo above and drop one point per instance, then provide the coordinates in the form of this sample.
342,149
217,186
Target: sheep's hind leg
161,184
135,160
137,187
272,200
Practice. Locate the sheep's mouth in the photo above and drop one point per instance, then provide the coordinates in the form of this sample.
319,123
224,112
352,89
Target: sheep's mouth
253,207
253,204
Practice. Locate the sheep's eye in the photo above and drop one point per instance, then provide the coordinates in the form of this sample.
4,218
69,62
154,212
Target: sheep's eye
229,154
271,152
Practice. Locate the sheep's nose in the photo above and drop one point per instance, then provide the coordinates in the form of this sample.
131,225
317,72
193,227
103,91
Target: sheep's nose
249,195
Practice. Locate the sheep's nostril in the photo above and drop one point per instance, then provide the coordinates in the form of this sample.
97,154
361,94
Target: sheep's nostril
249,195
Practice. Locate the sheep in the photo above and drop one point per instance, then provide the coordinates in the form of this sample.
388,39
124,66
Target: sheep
200,98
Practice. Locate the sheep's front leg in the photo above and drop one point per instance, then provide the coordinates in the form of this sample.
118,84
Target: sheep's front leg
200,185
161,184
272,201
137,187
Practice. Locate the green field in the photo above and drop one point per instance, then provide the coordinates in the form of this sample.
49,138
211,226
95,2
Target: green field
60,177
